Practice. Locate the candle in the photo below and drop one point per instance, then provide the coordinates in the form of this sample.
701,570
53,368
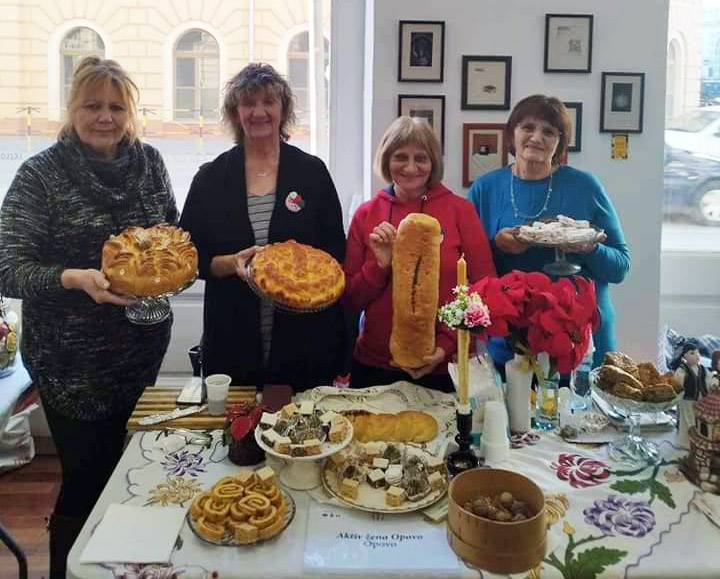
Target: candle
463,363
461,270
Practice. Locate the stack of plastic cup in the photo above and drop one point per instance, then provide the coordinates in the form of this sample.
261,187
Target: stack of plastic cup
218,386
495,444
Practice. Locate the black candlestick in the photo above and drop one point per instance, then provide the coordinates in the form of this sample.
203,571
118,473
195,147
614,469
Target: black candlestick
463,458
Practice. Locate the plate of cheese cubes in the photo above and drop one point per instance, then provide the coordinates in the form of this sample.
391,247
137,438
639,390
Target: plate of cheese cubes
303,432
382,477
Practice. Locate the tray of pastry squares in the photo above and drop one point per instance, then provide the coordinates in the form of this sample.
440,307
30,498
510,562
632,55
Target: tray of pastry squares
295,277
380,477
242,509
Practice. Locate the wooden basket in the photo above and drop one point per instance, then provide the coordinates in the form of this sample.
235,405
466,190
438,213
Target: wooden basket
498,547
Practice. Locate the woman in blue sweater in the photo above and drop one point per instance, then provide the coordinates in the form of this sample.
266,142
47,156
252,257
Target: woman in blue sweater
538,186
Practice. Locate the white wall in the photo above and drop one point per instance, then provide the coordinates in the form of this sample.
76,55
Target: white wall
628,36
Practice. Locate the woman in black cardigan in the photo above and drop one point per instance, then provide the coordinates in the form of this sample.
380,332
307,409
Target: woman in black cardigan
263,191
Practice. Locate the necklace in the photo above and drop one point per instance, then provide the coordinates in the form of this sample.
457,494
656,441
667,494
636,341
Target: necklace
516,211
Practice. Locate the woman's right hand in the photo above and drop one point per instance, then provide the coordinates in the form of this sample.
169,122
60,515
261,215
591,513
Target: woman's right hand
381,243
506,241
233,263
93,283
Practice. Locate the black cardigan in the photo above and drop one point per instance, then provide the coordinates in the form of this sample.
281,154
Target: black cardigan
307,349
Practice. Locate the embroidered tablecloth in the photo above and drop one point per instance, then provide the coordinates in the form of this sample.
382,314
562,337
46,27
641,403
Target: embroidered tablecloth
609,521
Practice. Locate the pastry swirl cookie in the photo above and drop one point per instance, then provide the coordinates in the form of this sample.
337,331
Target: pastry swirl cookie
230,513
149,261
298,275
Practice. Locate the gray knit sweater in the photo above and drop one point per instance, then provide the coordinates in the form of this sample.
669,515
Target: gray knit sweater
87,359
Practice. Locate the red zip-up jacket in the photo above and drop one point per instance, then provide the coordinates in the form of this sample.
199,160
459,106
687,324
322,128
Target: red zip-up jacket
369,288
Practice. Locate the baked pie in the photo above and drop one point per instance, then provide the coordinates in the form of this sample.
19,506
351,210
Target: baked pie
297,275
149,261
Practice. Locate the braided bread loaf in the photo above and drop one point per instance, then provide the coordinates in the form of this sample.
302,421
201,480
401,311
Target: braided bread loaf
149,262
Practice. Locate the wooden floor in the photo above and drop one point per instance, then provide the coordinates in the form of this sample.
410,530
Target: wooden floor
27,496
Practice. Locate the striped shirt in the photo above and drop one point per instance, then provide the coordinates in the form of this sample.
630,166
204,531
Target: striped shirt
260,208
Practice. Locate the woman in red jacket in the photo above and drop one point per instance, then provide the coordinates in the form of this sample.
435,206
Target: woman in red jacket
410,159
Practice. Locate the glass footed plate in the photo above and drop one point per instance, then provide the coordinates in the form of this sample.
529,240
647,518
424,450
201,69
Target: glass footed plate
228,539
634,449
520,236
150,310
276,303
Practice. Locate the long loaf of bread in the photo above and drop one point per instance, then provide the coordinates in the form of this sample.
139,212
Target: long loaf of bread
415,289
405,426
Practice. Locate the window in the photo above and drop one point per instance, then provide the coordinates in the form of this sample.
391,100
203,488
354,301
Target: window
77,44
299,73
197,76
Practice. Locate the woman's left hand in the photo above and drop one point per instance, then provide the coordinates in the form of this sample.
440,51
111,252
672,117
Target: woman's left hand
430,362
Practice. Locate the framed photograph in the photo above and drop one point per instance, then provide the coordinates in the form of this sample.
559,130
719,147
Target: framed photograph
621,102
428,107
421,51
575,140
484,149
568,42
486,82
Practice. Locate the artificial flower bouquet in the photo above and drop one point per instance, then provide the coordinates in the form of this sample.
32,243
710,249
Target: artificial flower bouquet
466,312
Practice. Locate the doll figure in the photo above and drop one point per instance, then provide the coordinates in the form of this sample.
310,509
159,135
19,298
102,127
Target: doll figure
694,379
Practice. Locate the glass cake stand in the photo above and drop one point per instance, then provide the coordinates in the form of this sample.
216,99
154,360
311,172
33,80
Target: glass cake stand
147,311
633,449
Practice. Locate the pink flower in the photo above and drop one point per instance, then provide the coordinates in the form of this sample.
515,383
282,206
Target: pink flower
580,471
477,314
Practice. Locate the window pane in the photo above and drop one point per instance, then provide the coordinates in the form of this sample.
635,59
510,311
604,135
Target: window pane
185,72
184,103
197,41
82,39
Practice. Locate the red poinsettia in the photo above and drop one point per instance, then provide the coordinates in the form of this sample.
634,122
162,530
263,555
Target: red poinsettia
536,314
242,419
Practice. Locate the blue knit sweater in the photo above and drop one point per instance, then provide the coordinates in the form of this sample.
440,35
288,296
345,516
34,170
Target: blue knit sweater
576,194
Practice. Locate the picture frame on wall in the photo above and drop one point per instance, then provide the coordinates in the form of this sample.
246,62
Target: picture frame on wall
485,148
421,51
575,140
429,107
568,43
486,82
622,96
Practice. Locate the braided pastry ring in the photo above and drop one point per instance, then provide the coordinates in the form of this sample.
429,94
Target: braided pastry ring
265,520
210,529
196,508
216,511
228,491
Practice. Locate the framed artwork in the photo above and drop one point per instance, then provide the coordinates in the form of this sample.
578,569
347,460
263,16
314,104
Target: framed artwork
486,82
421,51
621,102
484,149
428,107
575,140
568,42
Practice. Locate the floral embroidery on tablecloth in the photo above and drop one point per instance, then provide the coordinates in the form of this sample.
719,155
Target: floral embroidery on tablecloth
158,571
184,462
580,471
674,476
556,505
619,515
524,439
176,490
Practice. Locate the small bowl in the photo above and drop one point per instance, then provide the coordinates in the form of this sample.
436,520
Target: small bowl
498,547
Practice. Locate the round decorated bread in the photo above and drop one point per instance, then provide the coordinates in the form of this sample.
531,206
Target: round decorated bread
298,275
149,261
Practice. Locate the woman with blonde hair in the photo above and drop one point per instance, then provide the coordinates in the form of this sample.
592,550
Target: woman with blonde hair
409,158
89,363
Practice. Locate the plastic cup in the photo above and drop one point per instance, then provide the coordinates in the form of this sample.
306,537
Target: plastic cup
217,387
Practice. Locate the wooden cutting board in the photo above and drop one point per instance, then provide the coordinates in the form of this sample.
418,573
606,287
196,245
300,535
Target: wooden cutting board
161,400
